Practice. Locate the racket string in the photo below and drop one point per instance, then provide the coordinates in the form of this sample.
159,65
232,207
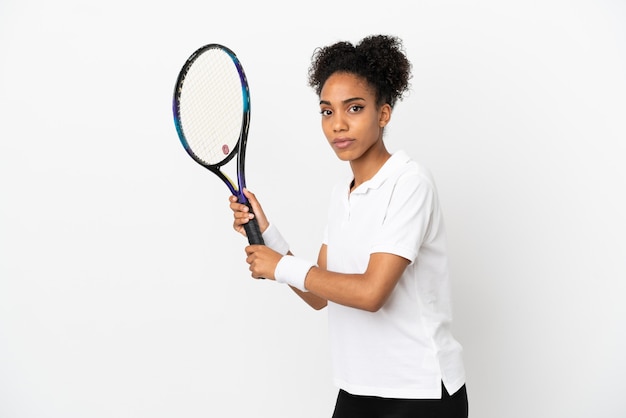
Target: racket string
210,106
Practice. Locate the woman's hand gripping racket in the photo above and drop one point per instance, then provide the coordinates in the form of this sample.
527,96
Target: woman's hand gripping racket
212,115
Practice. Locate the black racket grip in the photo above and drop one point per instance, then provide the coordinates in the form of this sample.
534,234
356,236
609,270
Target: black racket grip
253,232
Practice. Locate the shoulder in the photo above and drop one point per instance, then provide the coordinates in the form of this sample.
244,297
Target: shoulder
411,173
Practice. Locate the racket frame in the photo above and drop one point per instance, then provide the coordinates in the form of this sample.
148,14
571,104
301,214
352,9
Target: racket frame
236,188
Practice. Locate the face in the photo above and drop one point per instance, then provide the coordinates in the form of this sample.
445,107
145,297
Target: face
351,121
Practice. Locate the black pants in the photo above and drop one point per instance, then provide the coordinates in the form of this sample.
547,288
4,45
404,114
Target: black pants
355,406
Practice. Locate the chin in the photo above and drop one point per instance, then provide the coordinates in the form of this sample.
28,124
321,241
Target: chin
345,155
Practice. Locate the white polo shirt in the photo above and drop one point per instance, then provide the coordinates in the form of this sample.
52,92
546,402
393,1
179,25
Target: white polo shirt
406,349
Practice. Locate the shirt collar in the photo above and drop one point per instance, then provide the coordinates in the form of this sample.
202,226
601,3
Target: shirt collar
397,160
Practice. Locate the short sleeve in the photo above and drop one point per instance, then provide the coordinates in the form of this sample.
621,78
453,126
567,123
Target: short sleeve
408,217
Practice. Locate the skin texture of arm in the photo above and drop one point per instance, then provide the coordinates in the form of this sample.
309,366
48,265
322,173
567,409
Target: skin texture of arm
368,291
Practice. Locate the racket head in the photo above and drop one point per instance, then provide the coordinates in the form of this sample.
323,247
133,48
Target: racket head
211,108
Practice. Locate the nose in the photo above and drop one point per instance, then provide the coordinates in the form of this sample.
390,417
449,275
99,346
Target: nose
339,123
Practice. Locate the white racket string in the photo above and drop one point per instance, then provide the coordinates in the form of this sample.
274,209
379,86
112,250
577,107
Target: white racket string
211,103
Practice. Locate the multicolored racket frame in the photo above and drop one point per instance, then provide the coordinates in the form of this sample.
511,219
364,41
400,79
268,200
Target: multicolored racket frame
211,109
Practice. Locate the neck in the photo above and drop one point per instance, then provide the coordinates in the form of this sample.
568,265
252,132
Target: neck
366,167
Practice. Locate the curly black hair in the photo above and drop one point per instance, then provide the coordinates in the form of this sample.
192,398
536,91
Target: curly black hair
380,59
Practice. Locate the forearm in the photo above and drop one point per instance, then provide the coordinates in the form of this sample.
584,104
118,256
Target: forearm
315,285
311,299
368,291
345,289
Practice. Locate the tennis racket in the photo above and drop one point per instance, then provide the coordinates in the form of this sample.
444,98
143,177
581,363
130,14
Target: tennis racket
212,115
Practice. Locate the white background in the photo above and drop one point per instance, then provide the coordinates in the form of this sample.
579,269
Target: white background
123,288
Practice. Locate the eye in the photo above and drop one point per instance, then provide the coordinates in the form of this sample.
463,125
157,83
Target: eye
326,112
355,108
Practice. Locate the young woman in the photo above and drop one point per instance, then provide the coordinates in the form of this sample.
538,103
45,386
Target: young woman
382,267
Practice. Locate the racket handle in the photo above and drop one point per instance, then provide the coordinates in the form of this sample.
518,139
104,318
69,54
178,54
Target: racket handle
253,232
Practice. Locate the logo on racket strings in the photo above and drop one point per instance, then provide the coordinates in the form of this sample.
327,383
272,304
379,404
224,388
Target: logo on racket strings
225,149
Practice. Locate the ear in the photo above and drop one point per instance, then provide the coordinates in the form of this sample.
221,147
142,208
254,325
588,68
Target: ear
384,115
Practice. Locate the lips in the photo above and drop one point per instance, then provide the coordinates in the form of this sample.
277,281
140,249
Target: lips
342,143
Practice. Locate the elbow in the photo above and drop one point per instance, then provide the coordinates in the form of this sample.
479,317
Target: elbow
372,307
374,299
319,305
373,303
